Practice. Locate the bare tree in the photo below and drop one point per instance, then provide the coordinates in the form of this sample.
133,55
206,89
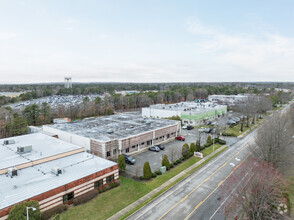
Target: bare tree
173,153
257,190
274,142
137,170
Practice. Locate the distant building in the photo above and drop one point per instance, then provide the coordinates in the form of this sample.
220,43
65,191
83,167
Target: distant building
193,113
48,170
227,99
67,82
112,135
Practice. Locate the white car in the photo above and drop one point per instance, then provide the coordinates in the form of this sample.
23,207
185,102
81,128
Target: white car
184,127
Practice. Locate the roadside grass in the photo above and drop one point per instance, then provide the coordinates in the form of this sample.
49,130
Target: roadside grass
110,202
209,150
291,194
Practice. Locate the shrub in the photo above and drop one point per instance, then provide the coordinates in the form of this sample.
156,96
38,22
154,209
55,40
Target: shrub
102,189
222,142
141,177
113,185
165,162
176,163
121,162
216,140
171,165
85,197
179,161
107,187
54,211
19,211
192,147
185,150
158,172
154,175
147,171
191,154
202,148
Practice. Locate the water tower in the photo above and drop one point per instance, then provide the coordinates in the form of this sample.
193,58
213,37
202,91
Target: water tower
67,82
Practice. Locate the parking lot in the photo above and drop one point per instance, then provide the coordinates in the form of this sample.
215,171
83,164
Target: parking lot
172,149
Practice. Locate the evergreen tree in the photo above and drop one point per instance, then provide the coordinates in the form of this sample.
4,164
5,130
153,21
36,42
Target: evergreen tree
19,211
185,150
165,162
147,171
121,162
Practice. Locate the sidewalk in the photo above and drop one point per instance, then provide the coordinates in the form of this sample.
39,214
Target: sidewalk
129,208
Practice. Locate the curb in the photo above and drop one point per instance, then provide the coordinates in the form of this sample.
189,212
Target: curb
144,198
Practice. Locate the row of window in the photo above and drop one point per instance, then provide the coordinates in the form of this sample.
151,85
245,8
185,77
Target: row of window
127,150
70,196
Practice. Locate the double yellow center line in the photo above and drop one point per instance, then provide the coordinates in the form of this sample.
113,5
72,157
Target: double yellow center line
205,182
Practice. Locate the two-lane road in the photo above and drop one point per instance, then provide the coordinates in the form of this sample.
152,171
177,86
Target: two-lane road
197,197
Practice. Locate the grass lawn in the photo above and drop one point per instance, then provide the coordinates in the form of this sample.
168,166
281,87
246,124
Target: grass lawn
209,150
108,203
291,193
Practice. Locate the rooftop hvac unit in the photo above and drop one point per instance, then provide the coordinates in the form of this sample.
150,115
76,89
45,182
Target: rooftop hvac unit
7,142
12,171
109,131
24,149
56,171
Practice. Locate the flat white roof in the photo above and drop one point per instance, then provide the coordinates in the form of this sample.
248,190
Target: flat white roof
36,180
42,146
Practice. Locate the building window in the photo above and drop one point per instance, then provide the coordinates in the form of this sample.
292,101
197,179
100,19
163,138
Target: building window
98,184
156,139
127,150
114,152
149,142
134,146
142,143
108,154
168,136
68,197
109,179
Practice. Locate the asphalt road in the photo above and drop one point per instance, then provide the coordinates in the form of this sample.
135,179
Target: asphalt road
198,196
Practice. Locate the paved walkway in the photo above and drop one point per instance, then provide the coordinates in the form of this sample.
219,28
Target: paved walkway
127,209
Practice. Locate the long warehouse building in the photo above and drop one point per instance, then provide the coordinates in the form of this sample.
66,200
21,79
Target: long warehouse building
109,136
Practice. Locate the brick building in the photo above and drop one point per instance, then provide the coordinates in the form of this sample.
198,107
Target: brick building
48,170
112,135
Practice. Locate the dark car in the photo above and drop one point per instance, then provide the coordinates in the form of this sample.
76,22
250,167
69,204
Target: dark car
160,146
129,159
154,148
180,138
207,130
190,127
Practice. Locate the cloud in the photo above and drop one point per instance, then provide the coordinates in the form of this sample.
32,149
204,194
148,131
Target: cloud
262,53
6,35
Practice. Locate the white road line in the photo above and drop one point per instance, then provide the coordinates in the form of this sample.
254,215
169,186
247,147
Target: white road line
227,197
232,164
237,159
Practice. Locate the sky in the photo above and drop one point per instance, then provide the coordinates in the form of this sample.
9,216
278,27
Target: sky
146,40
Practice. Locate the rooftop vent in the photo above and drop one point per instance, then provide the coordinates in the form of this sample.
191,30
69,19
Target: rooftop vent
7,142
57,171
12,171
24,149
148,122
109,131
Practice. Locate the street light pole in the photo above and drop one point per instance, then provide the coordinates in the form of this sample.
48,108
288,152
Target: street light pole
33,208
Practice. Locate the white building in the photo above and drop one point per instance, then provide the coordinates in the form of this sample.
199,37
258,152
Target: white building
193,113
228,99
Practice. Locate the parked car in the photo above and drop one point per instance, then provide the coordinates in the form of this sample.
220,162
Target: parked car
129,159
180,138
231,122
208,122
184,127
202,129
190,127
154,148
207,130
161,147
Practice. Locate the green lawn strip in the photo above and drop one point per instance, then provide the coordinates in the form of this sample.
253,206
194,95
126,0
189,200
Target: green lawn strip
291,194
209,150
172,184
108,203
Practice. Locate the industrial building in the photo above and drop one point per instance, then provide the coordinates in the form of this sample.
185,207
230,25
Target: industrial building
193,113
112,135
227,99
48,170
